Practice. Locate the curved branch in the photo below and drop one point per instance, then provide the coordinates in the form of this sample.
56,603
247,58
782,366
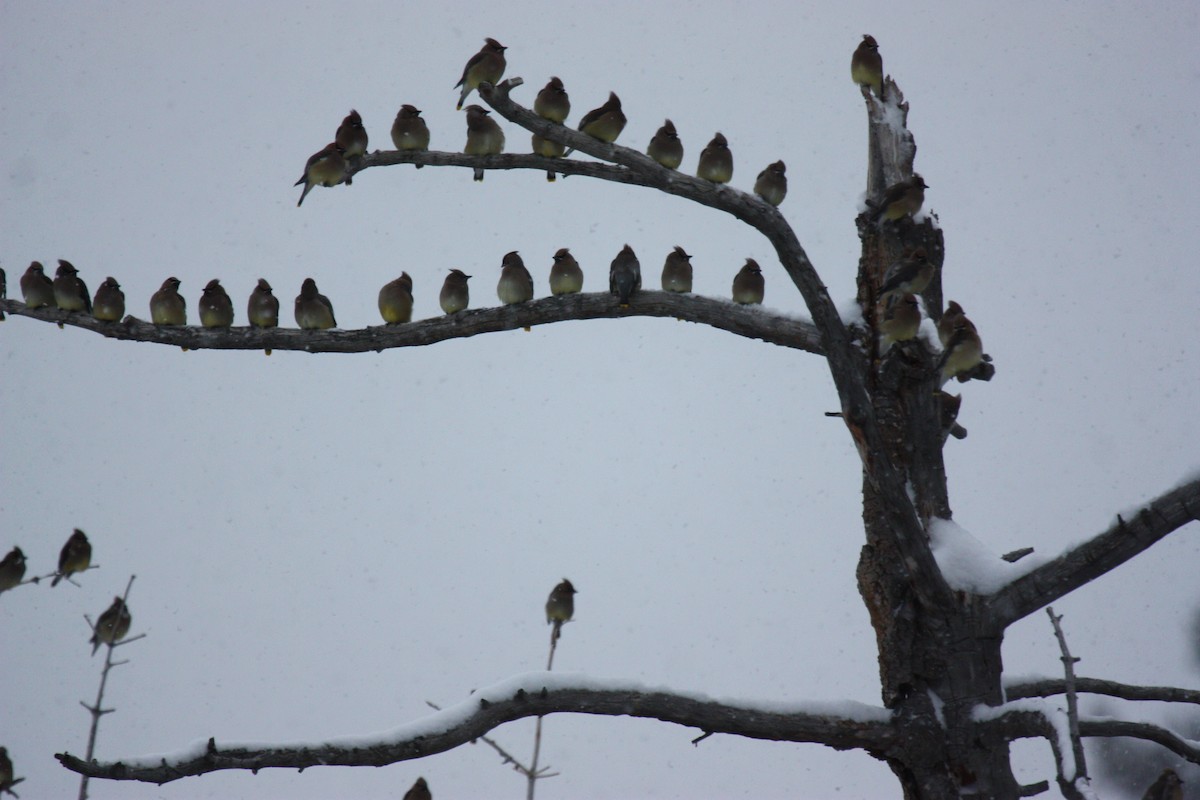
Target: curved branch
750,321
1048,687
1024,723
531,695
1105,552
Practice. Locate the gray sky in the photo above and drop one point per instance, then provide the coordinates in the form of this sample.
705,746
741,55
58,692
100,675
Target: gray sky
322,543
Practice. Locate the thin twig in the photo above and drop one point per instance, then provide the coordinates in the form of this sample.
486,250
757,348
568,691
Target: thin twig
1072,703
532,776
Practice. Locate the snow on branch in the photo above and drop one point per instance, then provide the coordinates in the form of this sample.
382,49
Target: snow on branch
843,726
1046,687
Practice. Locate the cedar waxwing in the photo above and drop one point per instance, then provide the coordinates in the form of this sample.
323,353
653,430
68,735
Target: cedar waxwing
112,626
963,348
70,292
455,295
910,274
665,147
625,276
12,569
772,183
748,284
566,277
716,162
263,308
950,317
902,199
1168,786
900,322
167,306
484,137
351,136
216,309
516,284
948,407
109,304
313,309
326,167
76,556
552,102
866,65
677,271
486,66
549,149
606,122
396,300
37,288
409,131
418,791
6,773
560,606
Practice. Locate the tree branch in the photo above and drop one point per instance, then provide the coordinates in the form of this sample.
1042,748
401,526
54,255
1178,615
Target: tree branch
1098,555
1025,722
529,695
1047,687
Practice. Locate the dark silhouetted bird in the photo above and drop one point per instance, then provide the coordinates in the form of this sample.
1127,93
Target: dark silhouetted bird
396,300
486,66
716,161
625,275
484,136
109,303
606,122
771,184
112,626
7,776
351,136
1168,786
70,292
560,606
665,147
3,289
748,284
552,102
12,569
409,131
455,294
75,556
215,307
418,791
677,271
313,310
566,276
901,199
515,284
37,288
326,167
263,308
167,306
866,65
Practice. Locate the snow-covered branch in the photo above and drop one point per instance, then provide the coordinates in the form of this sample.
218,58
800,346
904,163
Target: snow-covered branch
843,726
1046,687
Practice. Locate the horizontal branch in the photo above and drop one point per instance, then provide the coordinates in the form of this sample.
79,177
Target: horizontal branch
750,321
1103,553
1048,687
1025,723
532,695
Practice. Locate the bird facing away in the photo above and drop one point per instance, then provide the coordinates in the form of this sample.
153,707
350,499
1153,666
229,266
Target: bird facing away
549,149
901,320
351,136
6,773
1168,786
418,791
313,310
263,308
910,274
455,295
396,300
515,284
677,271
665,147
12,569
70,292
902,199
112,626
771,184
75,556
484,136
566,276
552,102
716,162
625,275
963,349
866,65
560,606
486,66
109,303
326,167
748,284
606,122
216,309
37,288
409,131
167,306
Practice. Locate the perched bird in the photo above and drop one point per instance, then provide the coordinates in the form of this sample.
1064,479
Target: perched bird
484,137
409,131
486,66
418,791
625,275
455,295
70,292
216,309
910,274
606,122
326,167
950,318
560,607
748,284
12,570
716,162
552,102
313,309
396,300
677,271
167,306
263,308
112,626
948,408
351,136
901,320
1168,786
566,277
75,556
6,773
3,289
963,350
37,288
866,65
771,184
665,147
901,199
109,304
515,284
549,149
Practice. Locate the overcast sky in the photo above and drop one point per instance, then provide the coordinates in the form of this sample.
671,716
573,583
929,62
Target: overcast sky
323,543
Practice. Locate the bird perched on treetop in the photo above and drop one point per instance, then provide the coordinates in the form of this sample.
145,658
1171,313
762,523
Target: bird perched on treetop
606,122
677,271
560,607
866,65
486,66
748,284
37,288
12,569
484,136
901,199
216,309
351,136
716,161
625,275
771,184
112,626
455,295
515,284
313,310
396,300
566,276
75,556
910,274
665,147
326,167
167,305
70,292
409,131
109,303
